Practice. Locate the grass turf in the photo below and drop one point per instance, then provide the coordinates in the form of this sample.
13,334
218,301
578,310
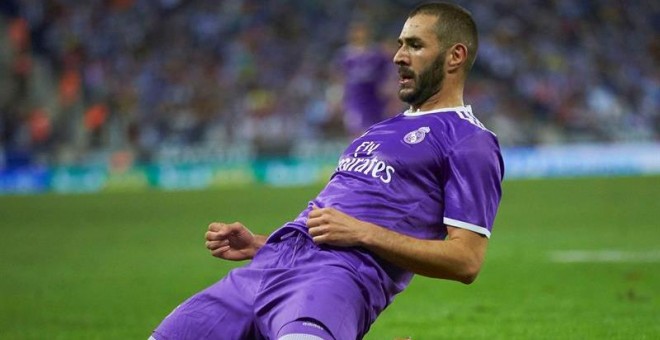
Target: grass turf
111,266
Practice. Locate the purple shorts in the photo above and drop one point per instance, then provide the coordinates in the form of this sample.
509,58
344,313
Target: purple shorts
289,279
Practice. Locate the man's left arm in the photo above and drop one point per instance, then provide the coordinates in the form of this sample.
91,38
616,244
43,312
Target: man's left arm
459,257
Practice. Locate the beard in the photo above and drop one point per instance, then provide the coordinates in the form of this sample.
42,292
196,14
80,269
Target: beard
428,82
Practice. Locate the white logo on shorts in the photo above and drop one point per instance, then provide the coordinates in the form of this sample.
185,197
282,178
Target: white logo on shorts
311,324
416,136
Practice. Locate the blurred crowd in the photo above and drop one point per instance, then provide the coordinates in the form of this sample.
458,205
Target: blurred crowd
81,78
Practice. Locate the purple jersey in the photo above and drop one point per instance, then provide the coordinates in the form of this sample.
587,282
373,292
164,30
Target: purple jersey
364,73
414,174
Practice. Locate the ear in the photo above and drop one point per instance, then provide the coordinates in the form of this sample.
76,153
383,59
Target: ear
457,56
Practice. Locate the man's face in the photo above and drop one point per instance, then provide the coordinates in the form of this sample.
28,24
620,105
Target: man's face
420,60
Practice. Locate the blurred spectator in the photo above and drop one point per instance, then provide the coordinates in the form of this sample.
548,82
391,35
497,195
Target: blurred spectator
202,73
365,68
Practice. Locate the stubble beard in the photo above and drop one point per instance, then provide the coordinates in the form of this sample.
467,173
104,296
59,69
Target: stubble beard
427,84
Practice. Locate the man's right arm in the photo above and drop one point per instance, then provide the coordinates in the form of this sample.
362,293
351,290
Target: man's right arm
233,241
459,257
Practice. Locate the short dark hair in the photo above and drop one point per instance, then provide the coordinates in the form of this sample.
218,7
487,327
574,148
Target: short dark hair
454,25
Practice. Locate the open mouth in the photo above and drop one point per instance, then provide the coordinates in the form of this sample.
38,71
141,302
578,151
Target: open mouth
406,76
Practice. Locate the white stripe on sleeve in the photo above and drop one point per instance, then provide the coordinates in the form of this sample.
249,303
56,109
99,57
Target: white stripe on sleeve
469,226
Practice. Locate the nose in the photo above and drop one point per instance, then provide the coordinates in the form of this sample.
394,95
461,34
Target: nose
401,57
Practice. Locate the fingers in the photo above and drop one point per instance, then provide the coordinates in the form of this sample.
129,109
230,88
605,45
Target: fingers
318,234
215,235
331,226
220,231
318,216
213,245
316,211
318,223
319,212
218,252
216,226
317,230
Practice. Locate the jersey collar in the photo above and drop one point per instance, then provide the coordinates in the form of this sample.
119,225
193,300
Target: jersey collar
464,108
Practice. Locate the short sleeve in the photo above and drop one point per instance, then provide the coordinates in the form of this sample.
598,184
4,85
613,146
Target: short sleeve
473,186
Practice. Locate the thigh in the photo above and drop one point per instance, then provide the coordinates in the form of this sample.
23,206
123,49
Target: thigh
222,311
322,291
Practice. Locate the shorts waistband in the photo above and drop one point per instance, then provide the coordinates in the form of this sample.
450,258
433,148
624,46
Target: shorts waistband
285,232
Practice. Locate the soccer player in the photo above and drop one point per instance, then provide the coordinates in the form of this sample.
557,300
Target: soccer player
365,68
417,193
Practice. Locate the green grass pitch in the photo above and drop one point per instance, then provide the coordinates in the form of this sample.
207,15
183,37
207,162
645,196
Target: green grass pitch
112,265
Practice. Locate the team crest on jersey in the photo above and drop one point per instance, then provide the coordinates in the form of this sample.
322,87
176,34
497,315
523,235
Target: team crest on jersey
416,136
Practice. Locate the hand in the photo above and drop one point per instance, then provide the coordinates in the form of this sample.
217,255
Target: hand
232,242
333,227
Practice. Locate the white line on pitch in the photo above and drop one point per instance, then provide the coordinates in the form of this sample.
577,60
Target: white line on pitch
604,256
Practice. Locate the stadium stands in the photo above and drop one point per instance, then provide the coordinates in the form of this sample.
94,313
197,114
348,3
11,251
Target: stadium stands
80,80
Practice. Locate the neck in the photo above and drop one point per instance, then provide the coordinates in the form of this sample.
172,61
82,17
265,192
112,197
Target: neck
449,95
